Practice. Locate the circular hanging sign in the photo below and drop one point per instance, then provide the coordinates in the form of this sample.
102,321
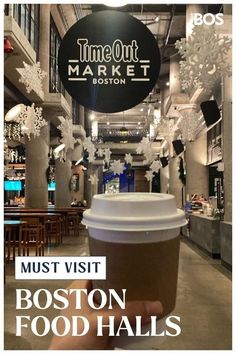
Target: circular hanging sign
109,61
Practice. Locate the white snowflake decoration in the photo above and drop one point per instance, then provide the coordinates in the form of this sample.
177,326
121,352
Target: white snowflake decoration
91,150
149,175
204,58
189,125
93,179
117,167
90,147
129,159
143,145
31,120
100,152
66,128
87,142
166,128
155,166
32,77
145,148
107,154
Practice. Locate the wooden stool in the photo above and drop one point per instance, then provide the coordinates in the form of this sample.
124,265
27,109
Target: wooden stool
73,221
53,228
33,236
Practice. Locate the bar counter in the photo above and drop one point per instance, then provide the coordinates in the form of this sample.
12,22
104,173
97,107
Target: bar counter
205,232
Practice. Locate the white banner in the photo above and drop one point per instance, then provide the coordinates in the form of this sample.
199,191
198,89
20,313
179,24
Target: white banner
60,268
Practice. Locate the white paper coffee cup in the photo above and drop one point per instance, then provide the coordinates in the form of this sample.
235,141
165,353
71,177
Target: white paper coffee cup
136,228
139,235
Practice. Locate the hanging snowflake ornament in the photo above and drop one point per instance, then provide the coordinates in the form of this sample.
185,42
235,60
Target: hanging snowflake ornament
107,154
149,156
117,167
87,142
145,148
100,152
32,77
149,175
166,128
143,145
155,166
66,128
129,159
204,58
90,147
189,125
31,120
91,150
93,179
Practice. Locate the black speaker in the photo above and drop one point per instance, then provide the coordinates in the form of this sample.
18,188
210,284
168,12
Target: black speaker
164,161
210,111
178,146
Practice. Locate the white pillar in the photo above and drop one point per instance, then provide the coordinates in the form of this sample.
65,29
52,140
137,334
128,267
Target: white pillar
36,164
63,195
197,177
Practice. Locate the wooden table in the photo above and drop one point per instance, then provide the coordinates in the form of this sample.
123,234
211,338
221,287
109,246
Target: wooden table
17,215
65,213
41,217
50,209
8,210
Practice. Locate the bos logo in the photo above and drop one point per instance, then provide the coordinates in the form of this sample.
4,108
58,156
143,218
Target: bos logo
208,19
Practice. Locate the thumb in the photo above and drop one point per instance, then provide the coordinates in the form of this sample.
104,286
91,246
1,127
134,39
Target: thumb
145,309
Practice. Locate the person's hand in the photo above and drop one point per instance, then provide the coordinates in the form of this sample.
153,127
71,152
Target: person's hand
91,340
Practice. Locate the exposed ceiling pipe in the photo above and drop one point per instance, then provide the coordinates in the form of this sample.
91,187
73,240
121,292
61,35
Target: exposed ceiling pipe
168,30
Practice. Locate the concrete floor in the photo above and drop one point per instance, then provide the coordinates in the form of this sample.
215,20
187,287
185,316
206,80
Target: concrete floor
203,301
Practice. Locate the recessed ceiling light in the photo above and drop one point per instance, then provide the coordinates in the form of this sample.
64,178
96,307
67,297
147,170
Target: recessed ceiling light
92,116
139,123
168,83
108,123
157,19
141,109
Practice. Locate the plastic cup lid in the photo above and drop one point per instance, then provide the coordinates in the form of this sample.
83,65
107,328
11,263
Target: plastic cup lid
134,212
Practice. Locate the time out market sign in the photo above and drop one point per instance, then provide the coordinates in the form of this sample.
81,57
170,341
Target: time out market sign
109,61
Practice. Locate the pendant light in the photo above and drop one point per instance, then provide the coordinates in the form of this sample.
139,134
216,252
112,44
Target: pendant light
123,129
